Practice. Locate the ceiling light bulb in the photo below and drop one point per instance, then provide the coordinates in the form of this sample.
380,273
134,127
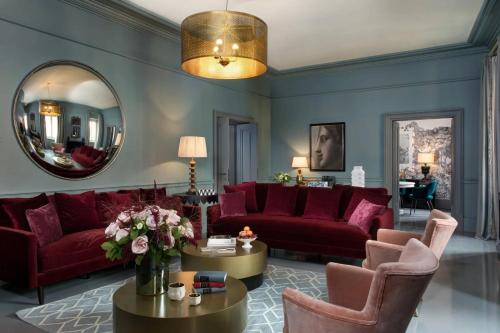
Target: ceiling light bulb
235,46
219,41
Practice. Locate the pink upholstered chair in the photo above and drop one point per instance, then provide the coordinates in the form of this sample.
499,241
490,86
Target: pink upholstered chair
389,244
362,300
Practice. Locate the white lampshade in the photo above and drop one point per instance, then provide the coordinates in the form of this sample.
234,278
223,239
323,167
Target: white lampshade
299,162
425,158
192,146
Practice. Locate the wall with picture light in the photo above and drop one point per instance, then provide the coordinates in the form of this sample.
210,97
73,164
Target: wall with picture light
361,94
160,103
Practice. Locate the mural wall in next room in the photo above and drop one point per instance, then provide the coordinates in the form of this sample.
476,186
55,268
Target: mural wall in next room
429,136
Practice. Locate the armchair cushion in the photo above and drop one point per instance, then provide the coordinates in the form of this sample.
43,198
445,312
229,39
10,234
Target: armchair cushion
45,224
322,203
250,194
397,237
281,200
379,253
77,212
17,211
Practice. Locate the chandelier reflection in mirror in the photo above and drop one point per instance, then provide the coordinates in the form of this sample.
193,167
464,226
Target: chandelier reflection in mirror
68,120
224,45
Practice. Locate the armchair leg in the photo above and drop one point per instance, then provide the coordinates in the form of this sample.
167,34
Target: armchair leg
41,296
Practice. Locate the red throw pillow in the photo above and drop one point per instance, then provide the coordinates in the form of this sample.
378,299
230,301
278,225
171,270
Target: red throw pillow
281,200
357,196
17,211
174,203
233,204
249,189
363,215
322,203
44,223
110,204
77,212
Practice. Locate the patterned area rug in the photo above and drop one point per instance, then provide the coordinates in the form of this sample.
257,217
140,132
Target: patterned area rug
91,311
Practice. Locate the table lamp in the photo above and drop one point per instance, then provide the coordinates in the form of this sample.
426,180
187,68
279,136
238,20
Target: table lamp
299,162
425,158
192,147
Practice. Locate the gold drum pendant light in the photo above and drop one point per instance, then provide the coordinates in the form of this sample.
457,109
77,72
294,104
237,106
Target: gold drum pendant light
224,45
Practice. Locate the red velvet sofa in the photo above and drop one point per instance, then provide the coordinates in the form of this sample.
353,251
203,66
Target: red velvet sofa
330,237
88,156
26,264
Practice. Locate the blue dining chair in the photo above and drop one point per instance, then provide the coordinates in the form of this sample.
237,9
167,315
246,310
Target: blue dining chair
426,193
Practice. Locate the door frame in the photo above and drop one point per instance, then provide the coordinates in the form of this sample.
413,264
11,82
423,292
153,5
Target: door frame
391,182
235,117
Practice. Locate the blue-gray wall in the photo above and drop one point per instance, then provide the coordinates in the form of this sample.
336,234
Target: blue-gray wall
360,96
160,103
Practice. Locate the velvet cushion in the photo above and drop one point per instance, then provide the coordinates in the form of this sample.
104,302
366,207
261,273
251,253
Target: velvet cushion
44,223
17,211
281,200
249,189
233,204
110,204
322,203
4,218
261,195
358,195
170,202
77,212
363,215
149,195
348,191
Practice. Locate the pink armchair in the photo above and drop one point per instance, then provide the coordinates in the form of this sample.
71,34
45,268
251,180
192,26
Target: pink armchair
362,300
389,244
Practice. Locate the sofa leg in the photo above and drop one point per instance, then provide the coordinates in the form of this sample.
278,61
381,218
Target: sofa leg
41,295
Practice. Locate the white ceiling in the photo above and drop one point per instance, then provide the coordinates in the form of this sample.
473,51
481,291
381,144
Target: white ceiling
69,84
312,32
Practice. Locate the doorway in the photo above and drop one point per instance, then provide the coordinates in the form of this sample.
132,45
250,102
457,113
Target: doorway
424,165
235,151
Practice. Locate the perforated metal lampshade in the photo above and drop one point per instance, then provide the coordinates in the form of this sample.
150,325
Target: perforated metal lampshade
224,45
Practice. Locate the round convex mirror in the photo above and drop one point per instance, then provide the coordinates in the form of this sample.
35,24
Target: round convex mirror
68,120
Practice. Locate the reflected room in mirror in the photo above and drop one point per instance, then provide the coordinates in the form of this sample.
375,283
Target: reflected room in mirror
68,120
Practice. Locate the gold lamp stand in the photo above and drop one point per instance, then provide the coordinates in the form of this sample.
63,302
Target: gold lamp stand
192,177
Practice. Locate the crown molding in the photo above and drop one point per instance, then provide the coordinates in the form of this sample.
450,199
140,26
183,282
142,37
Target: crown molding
127,14
487,25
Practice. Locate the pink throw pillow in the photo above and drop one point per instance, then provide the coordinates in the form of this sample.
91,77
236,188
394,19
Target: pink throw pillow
364,194
249,189
363,215
44,223
233,204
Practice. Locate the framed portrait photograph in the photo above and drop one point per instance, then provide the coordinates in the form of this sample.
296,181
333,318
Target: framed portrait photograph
327,146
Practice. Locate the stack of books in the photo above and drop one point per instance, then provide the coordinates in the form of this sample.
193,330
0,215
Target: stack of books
209,282
221,244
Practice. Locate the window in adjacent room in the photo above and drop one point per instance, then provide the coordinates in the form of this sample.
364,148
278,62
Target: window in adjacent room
93,131
51,127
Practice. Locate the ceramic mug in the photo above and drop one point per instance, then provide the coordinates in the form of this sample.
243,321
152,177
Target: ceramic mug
176,291
194,299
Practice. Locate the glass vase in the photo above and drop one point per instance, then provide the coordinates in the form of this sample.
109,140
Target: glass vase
152,277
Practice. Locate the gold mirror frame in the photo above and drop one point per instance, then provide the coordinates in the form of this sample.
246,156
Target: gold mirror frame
21,137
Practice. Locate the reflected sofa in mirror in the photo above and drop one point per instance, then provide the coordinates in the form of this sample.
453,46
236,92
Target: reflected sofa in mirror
68,119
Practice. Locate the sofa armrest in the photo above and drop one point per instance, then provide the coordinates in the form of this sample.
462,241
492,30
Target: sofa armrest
379,253
396,236
193,213
306,314
348,285
384,220
18,252
213,216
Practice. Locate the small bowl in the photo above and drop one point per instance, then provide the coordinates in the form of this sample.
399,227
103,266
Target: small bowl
194,299
176,291
246,242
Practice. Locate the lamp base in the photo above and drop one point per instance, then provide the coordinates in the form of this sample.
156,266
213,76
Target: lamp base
192,177
425,170
300,178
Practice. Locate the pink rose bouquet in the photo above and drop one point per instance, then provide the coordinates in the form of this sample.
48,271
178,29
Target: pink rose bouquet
147,230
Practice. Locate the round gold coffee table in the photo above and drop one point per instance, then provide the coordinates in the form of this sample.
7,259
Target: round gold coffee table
220,312
245,265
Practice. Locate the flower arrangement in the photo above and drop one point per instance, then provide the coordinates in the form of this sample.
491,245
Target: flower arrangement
147,230
282,177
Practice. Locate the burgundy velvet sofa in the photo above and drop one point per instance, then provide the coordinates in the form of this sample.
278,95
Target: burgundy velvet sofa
330,237
88,156
28,265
